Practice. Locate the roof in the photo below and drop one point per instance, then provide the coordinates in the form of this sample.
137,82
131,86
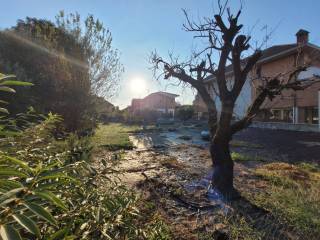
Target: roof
269,52
163,93
136,99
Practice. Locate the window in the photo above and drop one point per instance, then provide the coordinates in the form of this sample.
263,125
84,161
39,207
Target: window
276,114
287,115
315,116
311,115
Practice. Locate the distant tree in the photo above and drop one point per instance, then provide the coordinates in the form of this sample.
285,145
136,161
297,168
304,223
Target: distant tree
185,112
39,52
61,65
226,44
104,64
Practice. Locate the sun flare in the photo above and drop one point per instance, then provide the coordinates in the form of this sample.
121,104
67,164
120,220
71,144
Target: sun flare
138,85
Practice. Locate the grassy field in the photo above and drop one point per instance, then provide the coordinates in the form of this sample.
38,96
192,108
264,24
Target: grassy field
292,194
114,136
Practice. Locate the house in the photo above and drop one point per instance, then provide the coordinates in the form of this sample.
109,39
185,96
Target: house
297,110
161,102
241,104
296,107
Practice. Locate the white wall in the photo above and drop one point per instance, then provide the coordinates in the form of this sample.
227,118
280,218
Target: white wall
242,103
243,100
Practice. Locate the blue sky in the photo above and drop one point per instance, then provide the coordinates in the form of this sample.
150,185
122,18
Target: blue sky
140,26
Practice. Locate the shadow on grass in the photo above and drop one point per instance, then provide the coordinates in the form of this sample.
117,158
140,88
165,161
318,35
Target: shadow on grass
263,223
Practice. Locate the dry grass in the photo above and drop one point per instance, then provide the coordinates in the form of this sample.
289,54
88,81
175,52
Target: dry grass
292,194
172,162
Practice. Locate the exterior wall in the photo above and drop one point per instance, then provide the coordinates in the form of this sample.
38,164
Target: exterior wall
243,100
302,104
161,102
272,69
291,106
286,126
241,104
136,105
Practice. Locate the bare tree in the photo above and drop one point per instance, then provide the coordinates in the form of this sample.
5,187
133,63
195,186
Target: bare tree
223,34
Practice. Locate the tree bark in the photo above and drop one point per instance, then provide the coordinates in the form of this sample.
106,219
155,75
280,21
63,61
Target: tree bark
222,178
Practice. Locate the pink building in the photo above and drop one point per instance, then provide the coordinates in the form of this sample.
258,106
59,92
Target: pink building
162,102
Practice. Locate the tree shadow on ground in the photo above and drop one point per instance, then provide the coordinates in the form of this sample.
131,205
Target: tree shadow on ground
262,220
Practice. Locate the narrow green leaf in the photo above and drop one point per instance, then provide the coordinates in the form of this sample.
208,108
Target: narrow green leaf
27,223
10,184
7,232
54,176
6,77
60,234
10,193
4,110
52,198
8,201
41,212
18,162
15,83
3,102
47,171
7,89
12,172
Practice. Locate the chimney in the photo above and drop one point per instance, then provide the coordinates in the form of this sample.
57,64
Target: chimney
302,36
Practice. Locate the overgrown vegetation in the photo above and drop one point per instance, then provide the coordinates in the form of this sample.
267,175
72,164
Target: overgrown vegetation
292,194
185,112
240,157
69,62
49,189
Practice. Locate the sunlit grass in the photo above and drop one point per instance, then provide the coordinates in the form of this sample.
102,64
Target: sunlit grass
292,193
114,136
240,157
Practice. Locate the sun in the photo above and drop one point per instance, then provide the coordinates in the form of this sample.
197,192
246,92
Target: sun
138,85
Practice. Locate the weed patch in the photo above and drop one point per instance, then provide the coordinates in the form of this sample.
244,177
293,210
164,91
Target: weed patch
240,157
292,193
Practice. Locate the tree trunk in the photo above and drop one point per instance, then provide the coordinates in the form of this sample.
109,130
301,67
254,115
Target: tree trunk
222,178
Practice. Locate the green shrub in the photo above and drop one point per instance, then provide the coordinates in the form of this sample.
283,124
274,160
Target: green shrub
47,185
49,190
